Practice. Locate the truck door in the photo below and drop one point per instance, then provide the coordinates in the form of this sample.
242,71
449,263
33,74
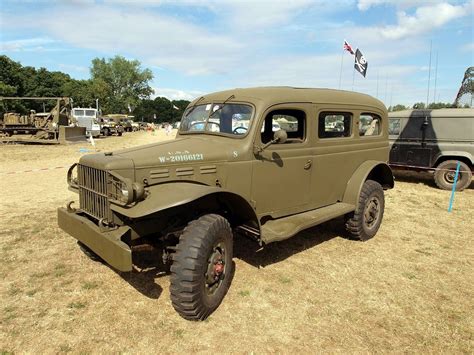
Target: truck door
281,174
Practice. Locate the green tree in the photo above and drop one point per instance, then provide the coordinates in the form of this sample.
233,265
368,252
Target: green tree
419,106
120,83
398,107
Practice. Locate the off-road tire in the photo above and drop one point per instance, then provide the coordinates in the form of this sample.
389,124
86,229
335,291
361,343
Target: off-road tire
191,294
106,132
365,221
444,178
89,253
119,134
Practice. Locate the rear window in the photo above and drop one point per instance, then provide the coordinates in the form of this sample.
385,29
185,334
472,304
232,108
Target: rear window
334,124
394,126
369,125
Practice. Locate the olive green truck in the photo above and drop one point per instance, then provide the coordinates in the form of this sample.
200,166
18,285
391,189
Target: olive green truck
434,141
262,162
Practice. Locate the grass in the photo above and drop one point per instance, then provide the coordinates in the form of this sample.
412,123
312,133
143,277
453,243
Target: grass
408,290
77,305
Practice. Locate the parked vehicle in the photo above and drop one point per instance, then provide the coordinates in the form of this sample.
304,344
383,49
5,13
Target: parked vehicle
88,118
109,127
434,140
55,126
188,196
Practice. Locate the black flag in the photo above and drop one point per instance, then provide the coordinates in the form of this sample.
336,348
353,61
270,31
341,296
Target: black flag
360,63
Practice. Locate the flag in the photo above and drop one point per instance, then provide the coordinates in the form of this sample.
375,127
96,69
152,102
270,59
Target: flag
348,47
360,63
175,107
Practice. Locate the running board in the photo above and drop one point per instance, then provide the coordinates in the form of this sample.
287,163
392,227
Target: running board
283,228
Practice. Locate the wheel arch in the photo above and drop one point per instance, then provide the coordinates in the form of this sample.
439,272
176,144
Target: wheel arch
168,196
369,170
461,156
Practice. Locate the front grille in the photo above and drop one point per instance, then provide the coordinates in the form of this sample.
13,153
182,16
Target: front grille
93,192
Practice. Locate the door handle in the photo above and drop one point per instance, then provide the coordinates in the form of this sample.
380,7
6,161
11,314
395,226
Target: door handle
308,164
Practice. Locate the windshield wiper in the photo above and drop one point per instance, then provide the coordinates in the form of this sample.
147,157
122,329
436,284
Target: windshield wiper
222,106
193,107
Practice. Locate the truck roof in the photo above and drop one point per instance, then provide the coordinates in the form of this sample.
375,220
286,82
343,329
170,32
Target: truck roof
443,112
280,94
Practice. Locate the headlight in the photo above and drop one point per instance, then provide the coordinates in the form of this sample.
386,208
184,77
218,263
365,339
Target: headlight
123,191
120,189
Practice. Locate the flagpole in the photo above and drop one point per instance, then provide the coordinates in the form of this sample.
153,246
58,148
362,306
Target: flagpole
436,77
340,71
429,76
377,92
353,78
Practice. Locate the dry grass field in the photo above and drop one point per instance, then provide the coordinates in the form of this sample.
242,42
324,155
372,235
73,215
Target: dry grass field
410,289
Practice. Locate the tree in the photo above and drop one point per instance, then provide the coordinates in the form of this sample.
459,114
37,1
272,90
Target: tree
398,107
120,83
419,106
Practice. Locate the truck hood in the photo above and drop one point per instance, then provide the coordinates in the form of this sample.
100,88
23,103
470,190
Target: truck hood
194,149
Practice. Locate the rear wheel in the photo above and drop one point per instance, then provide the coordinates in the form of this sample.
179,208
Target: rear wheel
365,221
106,132
202,267
444,176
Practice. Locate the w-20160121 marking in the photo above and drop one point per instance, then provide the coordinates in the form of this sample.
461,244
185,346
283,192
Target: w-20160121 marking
181,158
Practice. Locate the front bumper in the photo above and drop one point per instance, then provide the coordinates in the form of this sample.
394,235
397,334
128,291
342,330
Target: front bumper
108,245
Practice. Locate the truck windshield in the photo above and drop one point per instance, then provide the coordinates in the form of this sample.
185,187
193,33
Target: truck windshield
231,119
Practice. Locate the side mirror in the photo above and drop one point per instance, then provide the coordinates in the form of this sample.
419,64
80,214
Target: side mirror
280,136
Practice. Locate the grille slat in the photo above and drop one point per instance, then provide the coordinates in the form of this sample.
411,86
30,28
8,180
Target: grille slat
93,192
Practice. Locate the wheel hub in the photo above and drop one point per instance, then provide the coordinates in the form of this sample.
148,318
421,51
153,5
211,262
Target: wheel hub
449,176
215,268
371,212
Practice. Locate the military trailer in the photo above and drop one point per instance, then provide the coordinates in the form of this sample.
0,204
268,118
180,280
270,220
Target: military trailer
434,140
55,126
191,195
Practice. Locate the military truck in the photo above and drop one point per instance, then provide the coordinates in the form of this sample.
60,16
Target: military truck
219,177
55,126
434,140
109,127
121,120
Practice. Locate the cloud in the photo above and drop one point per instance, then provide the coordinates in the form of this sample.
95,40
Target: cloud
30,44
175,94
425,19
364,5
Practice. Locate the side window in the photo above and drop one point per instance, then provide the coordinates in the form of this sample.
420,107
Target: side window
334,124
292,121
370,124
394,126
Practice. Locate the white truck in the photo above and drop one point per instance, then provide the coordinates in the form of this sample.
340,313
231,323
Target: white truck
88,118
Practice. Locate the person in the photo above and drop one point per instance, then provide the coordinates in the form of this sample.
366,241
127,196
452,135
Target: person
168,129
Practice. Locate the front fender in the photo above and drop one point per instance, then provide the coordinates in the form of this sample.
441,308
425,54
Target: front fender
371,169
165,196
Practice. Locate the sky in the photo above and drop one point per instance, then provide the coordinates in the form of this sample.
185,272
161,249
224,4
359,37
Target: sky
195,47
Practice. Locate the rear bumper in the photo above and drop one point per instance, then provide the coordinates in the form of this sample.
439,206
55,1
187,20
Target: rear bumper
108,245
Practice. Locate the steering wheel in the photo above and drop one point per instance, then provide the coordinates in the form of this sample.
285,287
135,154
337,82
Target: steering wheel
235,130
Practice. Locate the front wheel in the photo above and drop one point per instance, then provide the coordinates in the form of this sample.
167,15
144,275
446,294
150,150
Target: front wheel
365,221
446,172
202,267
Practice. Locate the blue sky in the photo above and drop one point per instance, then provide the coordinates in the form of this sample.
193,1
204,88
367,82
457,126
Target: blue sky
194,46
